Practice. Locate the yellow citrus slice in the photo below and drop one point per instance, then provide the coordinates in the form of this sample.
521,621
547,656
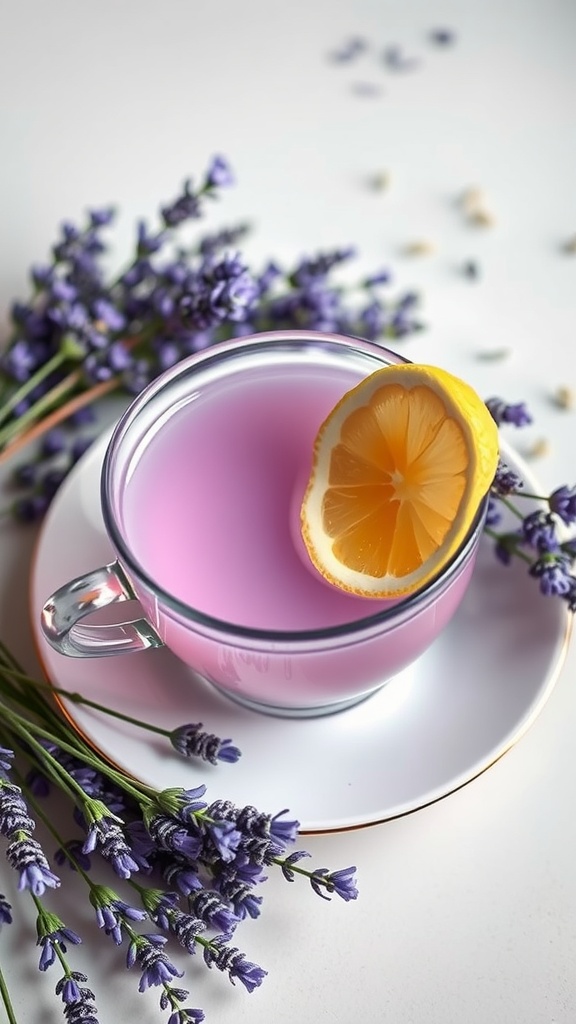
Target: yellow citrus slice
400,468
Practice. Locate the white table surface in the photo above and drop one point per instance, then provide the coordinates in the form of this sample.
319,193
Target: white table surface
467,909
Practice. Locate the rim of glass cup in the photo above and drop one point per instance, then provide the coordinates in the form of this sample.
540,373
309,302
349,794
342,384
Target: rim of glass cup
221,350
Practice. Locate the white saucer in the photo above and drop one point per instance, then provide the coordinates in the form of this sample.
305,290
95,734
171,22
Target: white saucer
428,732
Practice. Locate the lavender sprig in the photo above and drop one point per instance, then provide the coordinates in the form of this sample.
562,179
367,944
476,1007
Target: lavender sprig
189,740
213,854
536,539
82,334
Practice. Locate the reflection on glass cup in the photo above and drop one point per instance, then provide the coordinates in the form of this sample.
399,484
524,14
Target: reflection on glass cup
201,482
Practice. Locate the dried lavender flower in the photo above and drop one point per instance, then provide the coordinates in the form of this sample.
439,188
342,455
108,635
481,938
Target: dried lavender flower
504,412
232,961
191,741
157,969
26,856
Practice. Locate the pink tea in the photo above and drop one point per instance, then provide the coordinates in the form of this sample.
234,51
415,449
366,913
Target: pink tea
211,505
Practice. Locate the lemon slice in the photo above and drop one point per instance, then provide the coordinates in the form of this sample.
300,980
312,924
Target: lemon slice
400,468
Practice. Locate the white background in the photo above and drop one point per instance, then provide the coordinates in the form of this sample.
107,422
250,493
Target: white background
467,913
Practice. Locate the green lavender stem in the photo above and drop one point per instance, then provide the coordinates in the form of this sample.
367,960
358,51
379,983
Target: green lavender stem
77,698
510,506
24,728
44,404
22,392
281,862
11,1016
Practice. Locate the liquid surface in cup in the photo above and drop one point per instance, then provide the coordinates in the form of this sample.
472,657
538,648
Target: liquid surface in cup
210,506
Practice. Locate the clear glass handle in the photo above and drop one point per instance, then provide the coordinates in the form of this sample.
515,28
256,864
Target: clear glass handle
84,595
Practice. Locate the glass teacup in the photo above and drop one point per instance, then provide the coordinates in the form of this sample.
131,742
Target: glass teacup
200,485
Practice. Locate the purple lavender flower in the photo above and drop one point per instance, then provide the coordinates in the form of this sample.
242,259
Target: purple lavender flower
185,207
506,545
78,1007
284,831
6,758
209,907
322,880
553,573
105,833
233,962
189,1015
219,174
78,1000
267,277
147,243
70,316
505,480
226,238
562,501
185,802
146,951
177,872
53,443
5,911
400,324
29,510
379,277
107,312
41,275
118,357
185,928
169,834
25,474
223,291
191,741
96,370
342,882
539,531
102,217
62,290
234,887
138,376
14,816
136,275
26,856
111,912
502,412
226,839
82,417
259,836
20,361
310,270
51,481
53,934
69,988
373,319
287,862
